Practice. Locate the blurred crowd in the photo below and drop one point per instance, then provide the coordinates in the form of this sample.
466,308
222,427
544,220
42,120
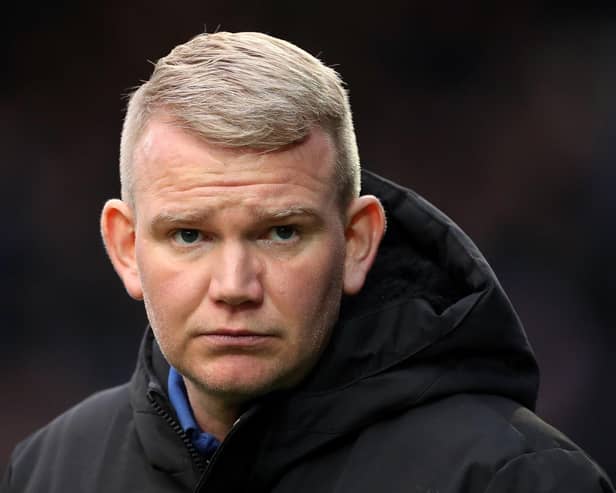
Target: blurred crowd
505,119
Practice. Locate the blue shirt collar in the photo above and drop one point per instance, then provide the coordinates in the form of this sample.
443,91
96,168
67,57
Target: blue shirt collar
205,443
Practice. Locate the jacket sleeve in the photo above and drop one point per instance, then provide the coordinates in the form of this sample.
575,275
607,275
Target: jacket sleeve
550,471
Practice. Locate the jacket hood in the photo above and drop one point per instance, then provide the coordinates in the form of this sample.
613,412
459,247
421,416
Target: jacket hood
431,321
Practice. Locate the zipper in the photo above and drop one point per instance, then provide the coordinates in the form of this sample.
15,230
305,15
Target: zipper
208,469
239,423
201,463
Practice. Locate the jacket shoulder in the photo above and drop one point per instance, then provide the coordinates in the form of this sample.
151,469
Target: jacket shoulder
474,442
550,471
548,461
75,440
527,453
82,424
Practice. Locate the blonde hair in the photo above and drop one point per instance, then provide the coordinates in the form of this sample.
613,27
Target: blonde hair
245,90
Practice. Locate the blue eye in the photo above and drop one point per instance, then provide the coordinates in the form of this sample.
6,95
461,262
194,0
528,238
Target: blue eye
187,236
283,233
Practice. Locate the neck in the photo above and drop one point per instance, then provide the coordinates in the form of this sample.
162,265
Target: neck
213,414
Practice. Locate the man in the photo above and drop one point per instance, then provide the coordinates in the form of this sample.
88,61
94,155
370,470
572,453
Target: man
290,349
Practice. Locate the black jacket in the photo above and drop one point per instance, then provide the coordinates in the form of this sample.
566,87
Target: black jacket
426,386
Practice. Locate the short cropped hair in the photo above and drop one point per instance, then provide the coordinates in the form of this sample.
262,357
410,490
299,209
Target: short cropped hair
245,90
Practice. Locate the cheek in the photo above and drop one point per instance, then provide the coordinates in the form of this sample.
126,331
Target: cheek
310,289
170,292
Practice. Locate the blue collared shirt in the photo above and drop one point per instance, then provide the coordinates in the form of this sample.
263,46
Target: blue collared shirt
205,443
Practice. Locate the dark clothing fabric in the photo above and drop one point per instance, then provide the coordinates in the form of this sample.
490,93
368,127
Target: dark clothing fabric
427,385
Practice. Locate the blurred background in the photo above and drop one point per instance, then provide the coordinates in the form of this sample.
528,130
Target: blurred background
504,117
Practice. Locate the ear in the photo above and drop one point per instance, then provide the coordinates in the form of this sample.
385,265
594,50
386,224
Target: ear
364,230
118,231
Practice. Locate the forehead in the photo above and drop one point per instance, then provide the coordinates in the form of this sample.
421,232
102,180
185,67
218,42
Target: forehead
172,163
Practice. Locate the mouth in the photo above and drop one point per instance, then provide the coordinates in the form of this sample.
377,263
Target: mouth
236,338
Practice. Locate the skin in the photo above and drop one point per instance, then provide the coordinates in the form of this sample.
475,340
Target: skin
241,259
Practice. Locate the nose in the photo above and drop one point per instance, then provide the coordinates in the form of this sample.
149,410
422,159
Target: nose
235,276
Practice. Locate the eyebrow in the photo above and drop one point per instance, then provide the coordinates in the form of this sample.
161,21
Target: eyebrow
194,217
286,213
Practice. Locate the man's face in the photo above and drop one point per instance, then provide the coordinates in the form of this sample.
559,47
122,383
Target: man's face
240,258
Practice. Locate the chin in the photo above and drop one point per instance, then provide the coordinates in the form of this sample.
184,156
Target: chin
241,384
